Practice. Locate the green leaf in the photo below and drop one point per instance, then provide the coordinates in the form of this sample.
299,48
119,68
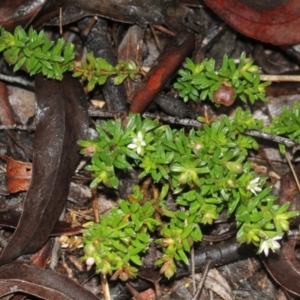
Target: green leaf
187,231
104,64
101,80
19,64
135,258
119,79
183,256
124,206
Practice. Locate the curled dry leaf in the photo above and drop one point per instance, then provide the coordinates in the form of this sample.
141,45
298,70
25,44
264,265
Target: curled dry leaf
18,12
18,174
61,121
46,284
284,265
275,21
218,284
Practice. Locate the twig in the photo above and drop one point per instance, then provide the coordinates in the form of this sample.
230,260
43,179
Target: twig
95,205
15,79
279,78
274,138
105,287
193,269
167,119
288,158
134,292
201,283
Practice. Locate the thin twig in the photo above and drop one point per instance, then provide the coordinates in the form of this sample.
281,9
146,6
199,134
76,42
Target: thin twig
193,269
95,205
279,78
288,158
134,292
274,138
167,119
201,283
15,79
105,287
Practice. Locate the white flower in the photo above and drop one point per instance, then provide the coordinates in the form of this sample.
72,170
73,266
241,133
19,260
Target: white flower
271,243
137,143
90,261
253,186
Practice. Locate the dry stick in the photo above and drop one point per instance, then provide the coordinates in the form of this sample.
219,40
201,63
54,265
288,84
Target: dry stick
193,269
134,292
157,41
95,205
19,80
201,283
288,158
105,287
60,21
279,78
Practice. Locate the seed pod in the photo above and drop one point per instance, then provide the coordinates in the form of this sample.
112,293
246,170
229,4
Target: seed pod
183,178
89,249
224,95
235,167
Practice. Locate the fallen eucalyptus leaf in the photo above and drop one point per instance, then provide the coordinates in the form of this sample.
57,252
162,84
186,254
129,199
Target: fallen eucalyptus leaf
46,284
61,121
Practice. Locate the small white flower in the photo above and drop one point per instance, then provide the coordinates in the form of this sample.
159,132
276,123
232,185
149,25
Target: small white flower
90,261
253,186
272,244
137,143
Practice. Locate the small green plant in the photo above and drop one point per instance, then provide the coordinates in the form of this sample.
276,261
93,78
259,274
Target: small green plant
207,172
115,243
199,81
287,123
35,53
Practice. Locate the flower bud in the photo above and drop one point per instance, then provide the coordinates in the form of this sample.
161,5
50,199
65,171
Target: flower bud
234,167
253,69
224,95
183,178
89,249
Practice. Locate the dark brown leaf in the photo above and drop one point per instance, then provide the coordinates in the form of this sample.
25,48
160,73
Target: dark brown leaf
10,219
130,48
61,121
284,266
6,111
18,12
141,12
46,284
273,21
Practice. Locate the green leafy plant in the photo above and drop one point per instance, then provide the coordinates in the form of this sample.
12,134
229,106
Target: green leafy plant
287,123
35,53
199,81
207,172
115,243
